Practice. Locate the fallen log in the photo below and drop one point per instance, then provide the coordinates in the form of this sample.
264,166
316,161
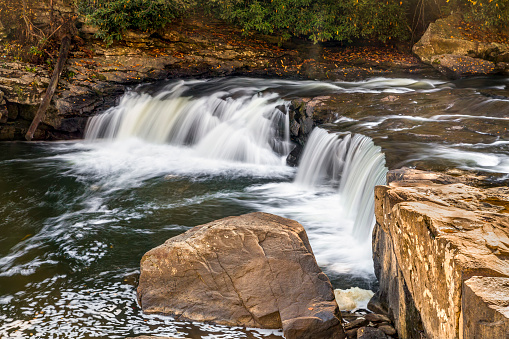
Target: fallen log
62,57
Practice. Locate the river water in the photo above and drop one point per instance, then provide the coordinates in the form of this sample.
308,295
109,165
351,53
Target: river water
76,217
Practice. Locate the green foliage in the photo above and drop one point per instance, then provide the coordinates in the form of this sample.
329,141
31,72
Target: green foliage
35,51
114,17
319,20
489,13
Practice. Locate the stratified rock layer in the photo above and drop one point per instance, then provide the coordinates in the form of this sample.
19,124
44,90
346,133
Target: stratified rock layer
256,270
441,255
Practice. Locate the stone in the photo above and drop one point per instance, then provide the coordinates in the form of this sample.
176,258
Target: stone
255,270
441,37
458,66
387,329
390,98
377,318
370,333
352,298
429,240
444,36
485,305
359,322
351,334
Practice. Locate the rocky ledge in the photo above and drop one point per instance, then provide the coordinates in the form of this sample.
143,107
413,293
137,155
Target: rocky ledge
441,252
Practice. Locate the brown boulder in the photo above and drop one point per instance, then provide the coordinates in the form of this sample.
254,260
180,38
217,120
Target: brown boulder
457,66
255,270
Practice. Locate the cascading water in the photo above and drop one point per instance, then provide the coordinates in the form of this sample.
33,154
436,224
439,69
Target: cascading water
160,163
353,164
248,125
226,125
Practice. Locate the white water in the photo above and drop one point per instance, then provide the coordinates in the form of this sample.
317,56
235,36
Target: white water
244,130
354,164
250,128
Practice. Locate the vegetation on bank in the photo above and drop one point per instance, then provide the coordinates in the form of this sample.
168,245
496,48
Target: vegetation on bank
317,20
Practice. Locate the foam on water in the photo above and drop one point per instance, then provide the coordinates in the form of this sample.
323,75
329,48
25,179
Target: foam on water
469,160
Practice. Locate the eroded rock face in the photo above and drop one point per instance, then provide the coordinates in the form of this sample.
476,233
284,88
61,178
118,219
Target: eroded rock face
434,247
256,270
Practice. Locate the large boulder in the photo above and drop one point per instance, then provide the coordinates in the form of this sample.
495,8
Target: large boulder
255,270
441,255
448,47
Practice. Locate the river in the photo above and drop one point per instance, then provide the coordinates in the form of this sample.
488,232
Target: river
76,217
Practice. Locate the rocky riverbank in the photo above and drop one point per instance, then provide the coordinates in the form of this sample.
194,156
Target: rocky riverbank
97,74
440,249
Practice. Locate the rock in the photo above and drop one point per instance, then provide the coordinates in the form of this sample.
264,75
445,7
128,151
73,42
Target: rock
351,334
444,37
485,303
390,98
359,322
387,329
370,333
457,66
256,270
377,318
429,240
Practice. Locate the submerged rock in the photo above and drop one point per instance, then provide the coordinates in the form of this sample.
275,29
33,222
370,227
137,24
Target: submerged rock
255,270
440,253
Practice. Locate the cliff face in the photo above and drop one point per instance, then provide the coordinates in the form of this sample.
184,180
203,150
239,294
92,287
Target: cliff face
441,251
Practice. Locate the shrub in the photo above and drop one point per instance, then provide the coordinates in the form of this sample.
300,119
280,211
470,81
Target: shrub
490,13
114,17
319,20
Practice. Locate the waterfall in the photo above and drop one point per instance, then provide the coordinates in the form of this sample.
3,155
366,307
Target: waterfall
248,124
353,164
234,125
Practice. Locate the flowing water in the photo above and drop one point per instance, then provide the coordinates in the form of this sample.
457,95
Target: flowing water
76,217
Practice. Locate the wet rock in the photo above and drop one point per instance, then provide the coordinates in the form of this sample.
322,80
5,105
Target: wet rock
457,66
360,322
256,270
387,329
390,98
351,334
377,318
428,241
370,333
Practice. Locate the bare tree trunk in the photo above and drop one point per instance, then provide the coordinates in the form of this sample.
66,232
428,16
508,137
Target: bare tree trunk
62,57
